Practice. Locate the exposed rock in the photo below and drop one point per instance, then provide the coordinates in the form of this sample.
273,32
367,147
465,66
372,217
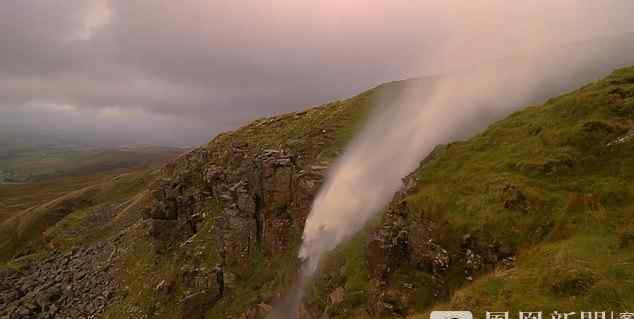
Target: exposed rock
337,296
259,201
165,287
76,284
514,199
623,139
549,166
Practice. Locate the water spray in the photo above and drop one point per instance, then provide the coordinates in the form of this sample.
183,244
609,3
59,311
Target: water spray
402,131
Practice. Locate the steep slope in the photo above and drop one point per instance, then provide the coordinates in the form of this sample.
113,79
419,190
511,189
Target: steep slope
58,237
66,248
59,258
533,213
546,179
510,219
238,204
507,219
553,184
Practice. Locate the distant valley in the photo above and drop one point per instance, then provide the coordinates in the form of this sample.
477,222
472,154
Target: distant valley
31,163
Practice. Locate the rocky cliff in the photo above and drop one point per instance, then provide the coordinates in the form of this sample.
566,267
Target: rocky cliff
533,213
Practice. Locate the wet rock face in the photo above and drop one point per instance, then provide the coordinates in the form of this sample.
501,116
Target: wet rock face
403,240
424,251
259,199
250,201
409,240
387,246
72,285
204,288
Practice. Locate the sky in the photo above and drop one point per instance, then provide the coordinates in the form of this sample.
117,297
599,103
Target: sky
179,72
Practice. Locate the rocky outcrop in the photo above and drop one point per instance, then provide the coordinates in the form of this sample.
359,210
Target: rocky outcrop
402,240
77,284
407,240
623,139
258,200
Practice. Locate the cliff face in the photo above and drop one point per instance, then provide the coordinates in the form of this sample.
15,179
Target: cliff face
521,216
228,217
471,212
258,200
224,222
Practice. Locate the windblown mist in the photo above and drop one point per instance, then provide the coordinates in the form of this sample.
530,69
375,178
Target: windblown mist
428,112
437,110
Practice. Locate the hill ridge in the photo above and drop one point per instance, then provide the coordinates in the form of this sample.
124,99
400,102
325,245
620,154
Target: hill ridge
504,220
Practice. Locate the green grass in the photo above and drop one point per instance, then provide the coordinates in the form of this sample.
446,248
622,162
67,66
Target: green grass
320,132
24,232
144,269
15,198
140,300
345,268
580,273
82,183
573,234
542,181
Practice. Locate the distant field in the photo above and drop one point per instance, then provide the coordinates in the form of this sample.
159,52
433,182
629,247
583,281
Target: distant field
30,213
19,197
30,164
39,187
32,177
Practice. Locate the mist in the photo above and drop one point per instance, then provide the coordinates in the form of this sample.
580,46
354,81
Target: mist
436,110
427,113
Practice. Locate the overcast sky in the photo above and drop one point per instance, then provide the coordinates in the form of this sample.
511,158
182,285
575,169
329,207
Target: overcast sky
178,72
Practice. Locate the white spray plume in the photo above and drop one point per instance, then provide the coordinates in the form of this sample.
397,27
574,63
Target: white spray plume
437,110
391,145
429,112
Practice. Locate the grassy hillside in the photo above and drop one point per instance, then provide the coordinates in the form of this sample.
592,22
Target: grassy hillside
551,184
76,201
81,184
47,174
553,181
533,213
319,134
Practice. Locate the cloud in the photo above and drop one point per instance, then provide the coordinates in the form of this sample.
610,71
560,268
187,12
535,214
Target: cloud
225,62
